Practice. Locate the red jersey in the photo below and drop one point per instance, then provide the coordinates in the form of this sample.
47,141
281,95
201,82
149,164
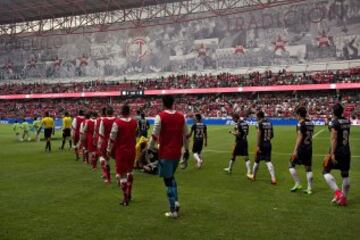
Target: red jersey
104,133
89,127
123,135
97,125
105,127
122,144
76,124
170,129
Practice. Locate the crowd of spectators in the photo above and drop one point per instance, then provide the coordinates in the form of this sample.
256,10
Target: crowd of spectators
92,86
220,105
267,78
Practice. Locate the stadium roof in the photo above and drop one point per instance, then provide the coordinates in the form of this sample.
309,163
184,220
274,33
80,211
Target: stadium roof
13,11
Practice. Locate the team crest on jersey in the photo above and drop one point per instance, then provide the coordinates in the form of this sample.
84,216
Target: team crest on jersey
137,48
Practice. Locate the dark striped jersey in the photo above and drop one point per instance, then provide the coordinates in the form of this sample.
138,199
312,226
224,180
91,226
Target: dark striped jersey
242,130
342,127
306,127
200,130
266,131
143,126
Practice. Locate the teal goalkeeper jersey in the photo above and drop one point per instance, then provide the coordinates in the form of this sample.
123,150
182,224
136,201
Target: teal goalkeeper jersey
25,126
16,127
37,124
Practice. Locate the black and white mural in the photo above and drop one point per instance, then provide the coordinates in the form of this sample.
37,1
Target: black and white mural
299,33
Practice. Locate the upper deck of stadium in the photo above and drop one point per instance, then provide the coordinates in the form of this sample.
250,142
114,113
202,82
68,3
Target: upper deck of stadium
16,11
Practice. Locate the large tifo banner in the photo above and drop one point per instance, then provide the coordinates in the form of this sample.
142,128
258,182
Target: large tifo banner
301,32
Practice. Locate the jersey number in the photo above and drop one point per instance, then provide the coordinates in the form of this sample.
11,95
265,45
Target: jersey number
199,133
308,137
267,134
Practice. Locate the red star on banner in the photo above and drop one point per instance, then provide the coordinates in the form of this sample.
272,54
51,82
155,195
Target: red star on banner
32,63
57,62
202,50
83,61
279,44
323,40
239,49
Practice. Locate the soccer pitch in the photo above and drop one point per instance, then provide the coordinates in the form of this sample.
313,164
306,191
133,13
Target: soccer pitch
52,196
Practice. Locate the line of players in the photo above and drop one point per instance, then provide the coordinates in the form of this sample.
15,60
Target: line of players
24,130
108,137
339,155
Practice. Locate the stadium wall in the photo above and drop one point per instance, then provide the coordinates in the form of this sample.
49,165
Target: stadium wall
209,121
301,33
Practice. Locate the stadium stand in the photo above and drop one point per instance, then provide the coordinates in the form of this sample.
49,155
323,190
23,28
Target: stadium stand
268,78
210,105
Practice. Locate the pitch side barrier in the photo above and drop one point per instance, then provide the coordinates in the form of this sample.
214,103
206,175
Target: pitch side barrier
250,121
208,121
124,92
276,121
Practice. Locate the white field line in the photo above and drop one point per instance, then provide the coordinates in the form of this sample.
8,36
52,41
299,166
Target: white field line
318,133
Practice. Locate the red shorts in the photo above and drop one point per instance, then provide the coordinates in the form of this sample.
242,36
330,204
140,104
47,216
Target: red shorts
76,138
90,144
124,161
103,147
83,143
96,140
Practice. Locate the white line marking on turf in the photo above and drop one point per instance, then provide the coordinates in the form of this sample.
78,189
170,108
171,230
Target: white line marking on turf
316,134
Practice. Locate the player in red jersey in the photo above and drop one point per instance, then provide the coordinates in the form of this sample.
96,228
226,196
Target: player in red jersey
83,141
121,146
88,131
171,132
76,131
104,133
96,134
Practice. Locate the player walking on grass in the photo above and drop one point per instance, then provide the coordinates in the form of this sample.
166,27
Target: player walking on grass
88,131
104,134
26,131
302,154
49,128
17,128
66,130
171,131
121,146
339,155
83,139
240,132
76,132
96,133
264,135
143,126
36,127
200,136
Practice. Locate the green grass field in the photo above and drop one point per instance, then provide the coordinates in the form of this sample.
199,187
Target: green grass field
52,196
